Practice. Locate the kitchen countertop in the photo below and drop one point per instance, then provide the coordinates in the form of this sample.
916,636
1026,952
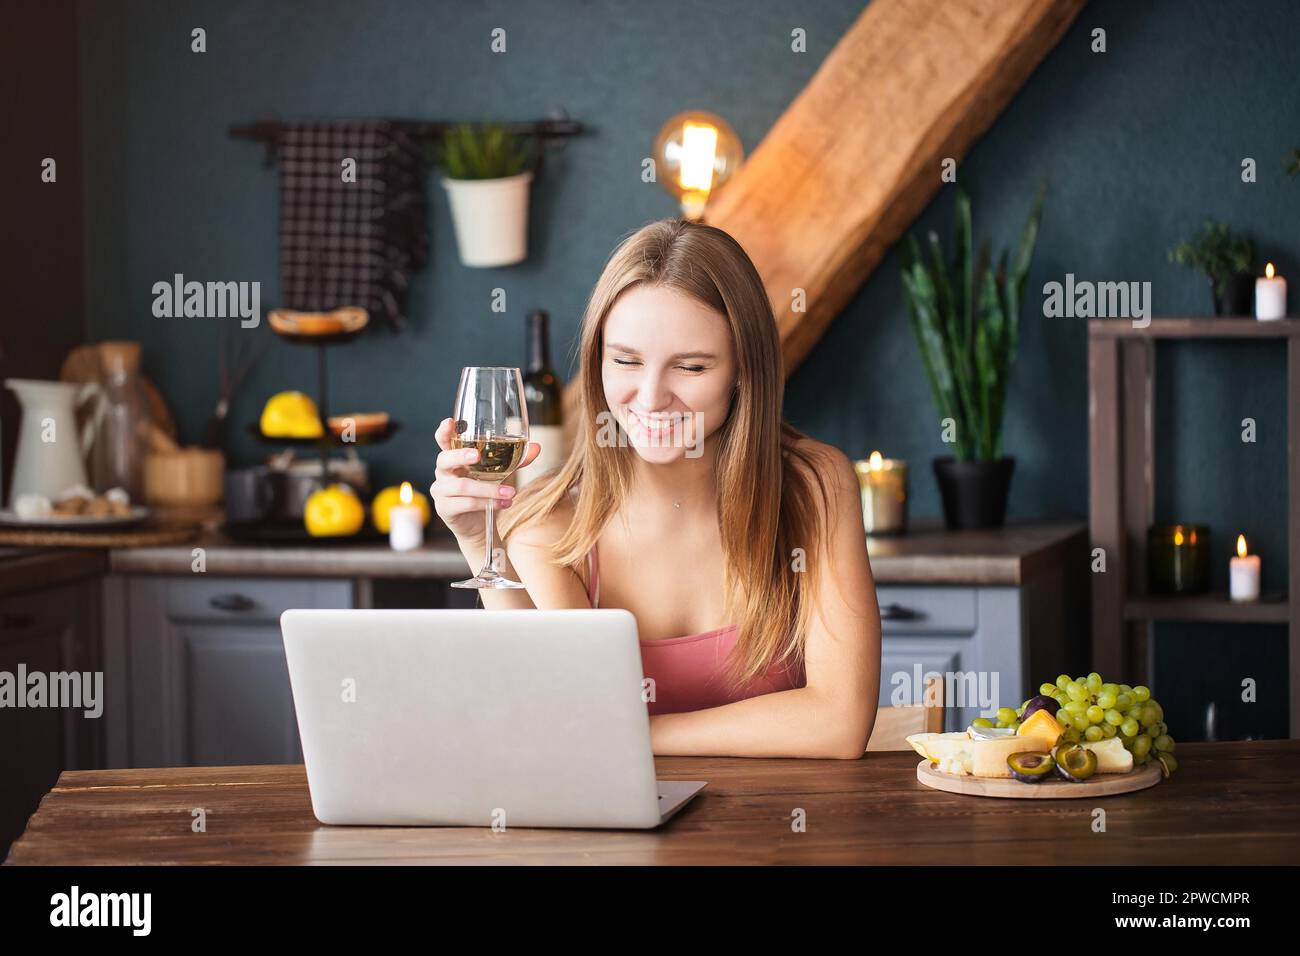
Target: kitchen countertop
23,570
927,555
439,558
1228,803
930,554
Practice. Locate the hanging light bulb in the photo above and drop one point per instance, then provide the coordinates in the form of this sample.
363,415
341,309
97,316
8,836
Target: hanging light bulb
695,153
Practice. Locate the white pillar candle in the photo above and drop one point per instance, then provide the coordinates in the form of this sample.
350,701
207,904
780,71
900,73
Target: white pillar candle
1243,574
1270,296
405,523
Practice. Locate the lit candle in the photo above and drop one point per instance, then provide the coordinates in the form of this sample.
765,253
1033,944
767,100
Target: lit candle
1243,574
1270,296
405,523
883,482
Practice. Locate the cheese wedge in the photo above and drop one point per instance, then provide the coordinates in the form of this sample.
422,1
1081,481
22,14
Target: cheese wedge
958,753
1112,755
935,745
1040,732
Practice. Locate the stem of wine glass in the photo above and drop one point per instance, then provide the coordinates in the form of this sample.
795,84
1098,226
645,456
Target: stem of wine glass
491,529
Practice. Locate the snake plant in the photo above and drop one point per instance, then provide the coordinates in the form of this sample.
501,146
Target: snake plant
966,317
483,151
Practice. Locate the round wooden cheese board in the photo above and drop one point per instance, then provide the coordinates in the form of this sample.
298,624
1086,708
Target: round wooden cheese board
1099,785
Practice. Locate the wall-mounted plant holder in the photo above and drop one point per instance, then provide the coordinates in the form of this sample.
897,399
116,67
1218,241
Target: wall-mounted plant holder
486,174
486,170
491,219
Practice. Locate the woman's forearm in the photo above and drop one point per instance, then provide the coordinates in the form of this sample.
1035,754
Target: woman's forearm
788,723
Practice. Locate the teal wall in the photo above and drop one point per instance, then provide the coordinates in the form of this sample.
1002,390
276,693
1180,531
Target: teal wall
169,192
1139,145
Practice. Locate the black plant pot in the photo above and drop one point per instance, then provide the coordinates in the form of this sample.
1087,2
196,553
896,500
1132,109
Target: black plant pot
974,492
1239,297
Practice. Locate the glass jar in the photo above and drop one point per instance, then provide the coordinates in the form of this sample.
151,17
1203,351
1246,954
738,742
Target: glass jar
122,423
1178,559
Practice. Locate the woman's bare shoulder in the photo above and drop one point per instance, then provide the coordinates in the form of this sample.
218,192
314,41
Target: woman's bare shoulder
836,488
831,463
831,478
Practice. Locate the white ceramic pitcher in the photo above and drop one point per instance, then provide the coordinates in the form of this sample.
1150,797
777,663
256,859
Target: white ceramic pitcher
51,455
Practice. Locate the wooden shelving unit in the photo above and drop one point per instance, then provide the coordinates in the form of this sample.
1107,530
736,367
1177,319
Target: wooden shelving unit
1271,609
1121,456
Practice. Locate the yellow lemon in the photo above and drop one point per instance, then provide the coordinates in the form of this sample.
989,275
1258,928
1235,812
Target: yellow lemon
387,499
334,511
291,415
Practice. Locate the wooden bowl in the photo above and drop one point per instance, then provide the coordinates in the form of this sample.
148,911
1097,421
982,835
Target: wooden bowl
184,477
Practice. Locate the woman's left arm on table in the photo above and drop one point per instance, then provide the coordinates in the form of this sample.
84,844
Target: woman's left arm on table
832,716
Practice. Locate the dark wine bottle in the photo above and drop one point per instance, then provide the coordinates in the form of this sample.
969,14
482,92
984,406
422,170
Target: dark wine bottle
542,387
544,393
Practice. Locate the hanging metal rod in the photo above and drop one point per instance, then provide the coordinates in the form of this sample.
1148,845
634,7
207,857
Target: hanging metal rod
552,131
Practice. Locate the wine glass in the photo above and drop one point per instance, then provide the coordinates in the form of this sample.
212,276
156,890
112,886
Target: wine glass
491,415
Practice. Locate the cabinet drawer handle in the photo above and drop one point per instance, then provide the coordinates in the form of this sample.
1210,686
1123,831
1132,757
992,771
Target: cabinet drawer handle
232,602
896,612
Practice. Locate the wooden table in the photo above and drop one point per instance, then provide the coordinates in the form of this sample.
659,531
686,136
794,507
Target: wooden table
1228,803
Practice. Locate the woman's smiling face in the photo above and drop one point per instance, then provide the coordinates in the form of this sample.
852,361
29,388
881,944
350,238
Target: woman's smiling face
668,368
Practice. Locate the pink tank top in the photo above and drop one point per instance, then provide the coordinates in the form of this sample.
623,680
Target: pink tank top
688,671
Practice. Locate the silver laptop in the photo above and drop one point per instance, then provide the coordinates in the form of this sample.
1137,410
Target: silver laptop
519,718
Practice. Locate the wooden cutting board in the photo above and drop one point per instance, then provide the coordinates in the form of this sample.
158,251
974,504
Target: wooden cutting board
1099,785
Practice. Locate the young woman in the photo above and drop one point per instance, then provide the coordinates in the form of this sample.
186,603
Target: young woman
736,541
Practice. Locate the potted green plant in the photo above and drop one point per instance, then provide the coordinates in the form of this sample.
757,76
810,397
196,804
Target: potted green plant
966,316
487,170
1226,259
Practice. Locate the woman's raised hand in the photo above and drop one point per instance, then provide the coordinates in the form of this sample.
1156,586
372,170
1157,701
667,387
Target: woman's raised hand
460,499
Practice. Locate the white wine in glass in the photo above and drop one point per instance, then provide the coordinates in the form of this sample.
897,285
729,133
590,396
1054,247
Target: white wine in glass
491,415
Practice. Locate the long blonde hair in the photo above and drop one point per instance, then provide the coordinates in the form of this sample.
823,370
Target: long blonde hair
763,523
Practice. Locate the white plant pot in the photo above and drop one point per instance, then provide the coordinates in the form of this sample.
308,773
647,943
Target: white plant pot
491,219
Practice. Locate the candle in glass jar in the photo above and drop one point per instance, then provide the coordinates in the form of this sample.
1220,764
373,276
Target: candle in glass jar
1243,574
883,482
1270,296
405,523
1178,559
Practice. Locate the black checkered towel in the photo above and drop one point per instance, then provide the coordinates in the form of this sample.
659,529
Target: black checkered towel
351,243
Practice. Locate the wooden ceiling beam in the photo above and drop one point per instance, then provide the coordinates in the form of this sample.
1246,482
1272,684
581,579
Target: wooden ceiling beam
857,156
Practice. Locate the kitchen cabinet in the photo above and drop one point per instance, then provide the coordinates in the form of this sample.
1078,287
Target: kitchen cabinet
981,636
205,661
51,631
198,670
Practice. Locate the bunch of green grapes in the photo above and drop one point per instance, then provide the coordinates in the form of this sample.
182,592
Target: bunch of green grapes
1093,710
1090,709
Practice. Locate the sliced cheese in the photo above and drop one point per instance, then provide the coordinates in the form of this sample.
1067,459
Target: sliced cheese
1112,755
935,745
917,742
989,757
960,754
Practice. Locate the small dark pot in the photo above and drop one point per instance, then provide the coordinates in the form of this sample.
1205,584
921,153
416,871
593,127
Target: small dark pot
974,492
1238,300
